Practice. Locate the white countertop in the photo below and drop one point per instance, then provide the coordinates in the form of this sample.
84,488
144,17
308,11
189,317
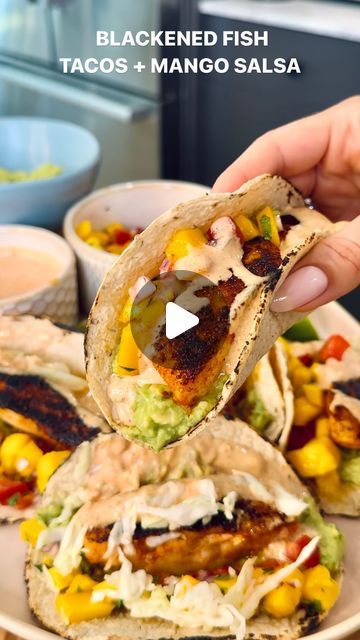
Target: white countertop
313,16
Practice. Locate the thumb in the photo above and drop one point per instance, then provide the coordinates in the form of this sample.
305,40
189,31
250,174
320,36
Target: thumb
330,270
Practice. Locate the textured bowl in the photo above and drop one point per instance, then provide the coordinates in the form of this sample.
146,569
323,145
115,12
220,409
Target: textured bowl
56,301
135,204
27,143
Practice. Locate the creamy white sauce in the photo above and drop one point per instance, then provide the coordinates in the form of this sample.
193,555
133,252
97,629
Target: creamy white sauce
25,270
339,370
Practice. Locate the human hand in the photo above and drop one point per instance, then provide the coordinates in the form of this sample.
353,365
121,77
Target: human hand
320,155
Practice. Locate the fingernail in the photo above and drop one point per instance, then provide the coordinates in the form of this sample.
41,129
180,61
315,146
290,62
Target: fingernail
299,289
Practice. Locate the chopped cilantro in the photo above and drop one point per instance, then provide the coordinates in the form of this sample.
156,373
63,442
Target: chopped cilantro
313,607
14,499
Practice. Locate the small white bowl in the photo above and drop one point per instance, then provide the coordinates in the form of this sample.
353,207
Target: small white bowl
135,204
58,301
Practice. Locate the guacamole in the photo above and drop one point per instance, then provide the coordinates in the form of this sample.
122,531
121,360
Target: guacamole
252,410
331,544
350,467
159,420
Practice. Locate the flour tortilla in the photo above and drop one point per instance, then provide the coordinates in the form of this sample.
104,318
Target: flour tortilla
278,359
122,626
254,337
66,479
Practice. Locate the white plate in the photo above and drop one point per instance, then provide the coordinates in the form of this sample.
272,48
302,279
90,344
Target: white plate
343,620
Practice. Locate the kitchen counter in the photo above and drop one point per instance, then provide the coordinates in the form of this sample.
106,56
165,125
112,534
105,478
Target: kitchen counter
323,18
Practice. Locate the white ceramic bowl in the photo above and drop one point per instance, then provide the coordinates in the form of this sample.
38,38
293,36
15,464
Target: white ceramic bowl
135,204
57,301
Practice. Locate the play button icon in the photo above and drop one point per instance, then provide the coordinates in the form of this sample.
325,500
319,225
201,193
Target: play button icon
178,320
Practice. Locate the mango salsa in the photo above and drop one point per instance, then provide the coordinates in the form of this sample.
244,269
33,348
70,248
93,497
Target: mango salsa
182,241
77,607
319,456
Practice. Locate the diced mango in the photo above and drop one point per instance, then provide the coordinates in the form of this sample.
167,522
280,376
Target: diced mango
314,370
248,229
48,560
83,229
61,582
81,582
125,314
93,242
11,448
104,585
114,226
152,313
266,219
182,241
101,236
46,466
317,457
304,412
296,578
293,363
329,486
282,601
27,459
319,585
225,582
301,375
322,427
126,361
30,530
314,394
77,607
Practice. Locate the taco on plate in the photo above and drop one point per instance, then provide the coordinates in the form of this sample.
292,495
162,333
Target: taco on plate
240,552
265,400
220,257
323,442
46,408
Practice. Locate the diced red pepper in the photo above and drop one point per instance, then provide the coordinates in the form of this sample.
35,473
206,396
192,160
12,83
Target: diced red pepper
24,501
306,360
334,347
121,236
9,487
294,548
208,574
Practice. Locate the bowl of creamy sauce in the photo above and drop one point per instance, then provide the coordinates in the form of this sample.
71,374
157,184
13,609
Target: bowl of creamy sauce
37,274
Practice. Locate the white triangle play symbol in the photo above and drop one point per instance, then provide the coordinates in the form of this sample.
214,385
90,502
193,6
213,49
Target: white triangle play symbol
178,320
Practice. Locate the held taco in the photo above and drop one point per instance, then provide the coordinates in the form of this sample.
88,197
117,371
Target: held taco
241,554
323,441
243,243
45,408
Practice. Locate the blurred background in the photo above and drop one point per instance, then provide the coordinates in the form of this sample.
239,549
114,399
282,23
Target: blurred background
186,127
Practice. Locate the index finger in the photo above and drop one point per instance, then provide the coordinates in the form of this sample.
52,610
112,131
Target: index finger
292,151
